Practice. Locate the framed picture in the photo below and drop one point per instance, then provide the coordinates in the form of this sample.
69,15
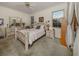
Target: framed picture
1,21
41,19
57,18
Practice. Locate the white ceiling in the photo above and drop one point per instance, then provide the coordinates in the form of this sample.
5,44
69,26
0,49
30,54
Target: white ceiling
36,6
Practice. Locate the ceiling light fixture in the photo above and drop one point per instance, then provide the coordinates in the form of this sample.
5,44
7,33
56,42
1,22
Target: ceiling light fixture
28,4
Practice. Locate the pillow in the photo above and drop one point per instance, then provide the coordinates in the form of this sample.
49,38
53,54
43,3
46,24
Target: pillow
38,27
27,27
34,26
42,26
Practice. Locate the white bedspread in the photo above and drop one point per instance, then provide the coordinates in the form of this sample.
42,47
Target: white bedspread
33,34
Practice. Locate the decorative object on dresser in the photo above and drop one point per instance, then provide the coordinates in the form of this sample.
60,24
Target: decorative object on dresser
23,25
47,25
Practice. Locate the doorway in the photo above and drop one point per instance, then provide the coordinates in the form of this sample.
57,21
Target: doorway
58,26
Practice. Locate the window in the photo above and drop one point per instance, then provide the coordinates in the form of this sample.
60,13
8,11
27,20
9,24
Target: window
57,17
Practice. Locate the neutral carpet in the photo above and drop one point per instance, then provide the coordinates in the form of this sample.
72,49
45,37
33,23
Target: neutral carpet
42,47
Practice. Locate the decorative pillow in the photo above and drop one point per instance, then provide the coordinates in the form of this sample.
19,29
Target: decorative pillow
38,27
42,26
27,27
34,26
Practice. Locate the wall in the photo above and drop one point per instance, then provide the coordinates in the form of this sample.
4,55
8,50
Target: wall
7,12
47,14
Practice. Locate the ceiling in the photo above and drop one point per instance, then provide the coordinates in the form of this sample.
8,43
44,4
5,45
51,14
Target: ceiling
36,6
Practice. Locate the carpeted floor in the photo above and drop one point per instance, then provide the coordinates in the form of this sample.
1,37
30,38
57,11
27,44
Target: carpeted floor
43,47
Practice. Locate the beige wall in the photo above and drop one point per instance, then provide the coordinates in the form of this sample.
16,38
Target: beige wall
7,12
47,14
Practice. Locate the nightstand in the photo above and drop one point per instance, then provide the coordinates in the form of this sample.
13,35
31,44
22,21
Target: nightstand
50,34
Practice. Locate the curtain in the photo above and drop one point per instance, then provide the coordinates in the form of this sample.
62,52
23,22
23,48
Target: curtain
76,47
69,34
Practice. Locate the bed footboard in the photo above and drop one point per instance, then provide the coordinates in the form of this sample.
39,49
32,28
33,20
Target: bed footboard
23,38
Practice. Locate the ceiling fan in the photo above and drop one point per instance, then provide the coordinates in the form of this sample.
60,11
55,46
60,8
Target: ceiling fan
28,4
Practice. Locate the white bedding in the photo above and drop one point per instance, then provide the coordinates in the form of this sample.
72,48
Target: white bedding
32,34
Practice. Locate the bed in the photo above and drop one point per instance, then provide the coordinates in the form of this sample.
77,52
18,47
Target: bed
30,35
